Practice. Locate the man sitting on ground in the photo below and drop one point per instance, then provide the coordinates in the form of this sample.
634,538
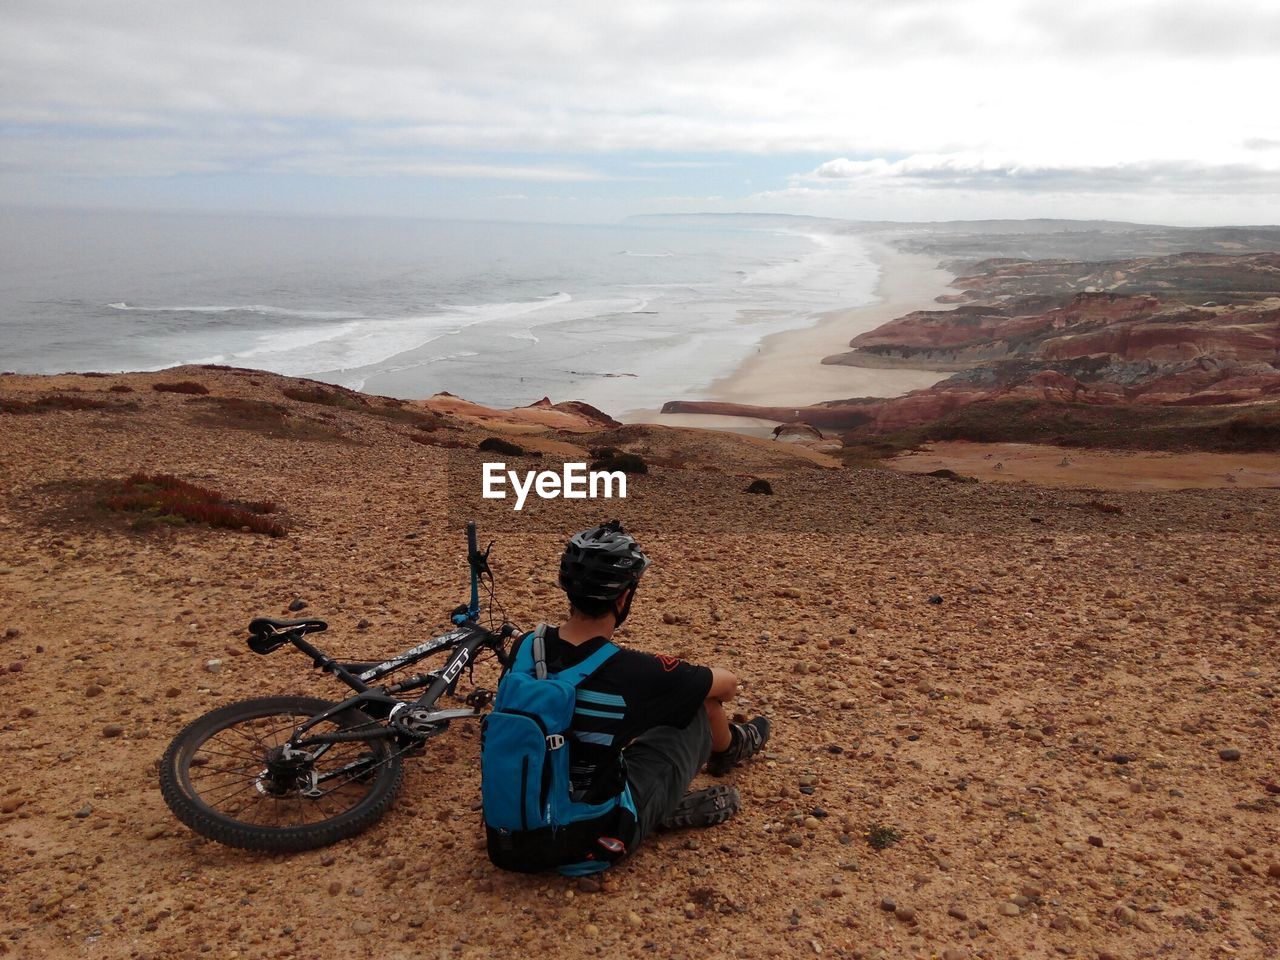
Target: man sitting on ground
643,725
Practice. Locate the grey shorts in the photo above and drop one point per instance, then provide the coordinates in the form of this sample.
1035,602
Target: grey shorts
661,763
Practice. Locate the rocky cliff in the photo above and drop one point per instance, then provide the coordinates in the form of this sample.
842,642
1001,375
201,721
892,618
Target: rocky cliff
1134,332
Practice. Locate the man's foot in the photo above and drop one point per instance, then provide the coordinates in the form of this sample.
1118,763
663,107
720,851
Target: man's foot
703,808
748,740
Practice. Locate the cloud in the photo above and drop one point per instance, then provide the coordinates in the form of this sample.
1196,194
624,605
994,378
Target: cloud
1060,93
363,166
679,164
977,171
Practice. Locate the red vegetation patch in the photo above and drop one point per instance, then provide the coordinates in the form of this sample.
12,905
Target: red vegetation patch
121,388
162,498
181,386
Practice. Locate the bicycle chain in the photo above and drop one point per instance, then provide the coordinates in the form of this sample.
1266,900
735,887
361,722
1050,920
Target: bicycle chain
391,756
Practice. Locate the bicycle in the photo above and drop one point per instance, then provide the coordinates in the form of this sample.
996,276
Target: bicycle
327,770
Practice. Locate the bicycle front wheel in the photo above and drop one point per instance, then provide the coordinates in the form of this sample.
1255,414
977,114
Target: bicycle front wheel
226,777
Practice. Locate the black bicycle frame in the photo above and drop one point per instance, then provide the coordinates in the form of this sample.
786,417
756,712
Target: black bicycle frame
466,640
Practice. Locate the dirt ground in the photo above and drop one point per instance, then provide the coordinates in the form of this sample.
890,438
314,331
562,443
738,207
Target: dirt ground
1102,469
1026,693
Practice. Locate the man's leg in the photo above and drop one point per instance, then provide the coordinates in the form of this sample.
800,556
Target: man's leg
744,741
661,763
719,720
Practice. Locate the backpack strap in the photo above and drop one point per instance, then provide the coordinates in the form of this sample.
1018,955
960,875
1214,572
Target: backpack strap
540,651
576,674
531,657
527,646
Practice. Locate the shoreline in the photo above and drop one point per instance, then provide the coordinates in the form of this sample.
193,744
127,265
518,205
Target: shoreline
787,369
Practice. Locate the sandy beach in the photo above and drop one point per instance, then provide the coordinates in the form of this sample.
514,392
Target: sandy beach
788,367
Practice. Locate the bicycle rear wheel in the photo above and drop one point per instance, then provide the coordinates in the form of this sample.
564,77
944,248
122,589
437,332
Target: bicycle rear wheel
224,777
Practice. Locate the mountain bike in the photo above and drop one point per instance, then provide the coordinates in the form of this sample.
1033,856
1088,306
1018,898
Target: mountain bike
284,774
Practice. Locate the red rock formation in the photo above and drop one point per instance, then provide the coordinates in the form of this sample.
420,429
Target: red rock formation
1098,347
983,333
797,431
572,416
1240,335
1199,382
577,408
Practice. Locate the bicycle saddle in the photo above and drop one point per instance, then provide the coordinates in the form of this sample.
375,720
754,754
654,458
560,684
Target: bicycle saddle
265,626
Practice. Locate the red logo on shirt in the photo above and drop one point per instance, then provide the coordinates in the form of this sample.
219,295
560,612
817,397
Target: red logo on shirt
668,663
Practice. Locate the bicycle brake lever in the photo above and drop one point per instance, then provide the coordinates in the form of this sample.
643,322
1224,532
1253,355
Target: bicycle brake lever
480,561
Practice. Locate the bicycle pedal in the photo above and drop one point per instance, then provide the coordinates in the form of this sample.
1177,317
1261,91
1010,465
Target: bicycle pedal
479,698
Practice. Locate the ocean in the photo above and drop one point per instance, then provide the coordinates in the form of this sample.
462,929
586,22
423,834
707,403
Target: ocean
624,316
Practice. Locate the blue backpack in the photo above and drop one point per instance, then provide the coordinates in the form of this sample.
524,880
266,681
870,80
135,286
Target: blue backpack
531,820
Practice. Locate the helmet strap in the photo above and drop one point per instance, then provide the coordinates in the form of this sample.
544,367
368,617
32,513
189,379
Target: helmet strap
620,615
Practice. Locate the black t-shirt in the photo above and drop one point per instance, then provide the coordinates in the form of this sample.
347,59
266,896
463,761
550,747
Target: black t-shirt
633,692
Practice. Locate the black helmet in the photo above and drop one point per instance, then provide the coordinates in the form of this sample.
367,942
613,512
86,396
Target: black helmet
601,563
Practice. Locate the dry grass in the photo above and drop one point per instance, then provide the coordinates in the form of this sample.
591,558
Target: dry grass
396,411
1103,507
260,416
1223,429
59,401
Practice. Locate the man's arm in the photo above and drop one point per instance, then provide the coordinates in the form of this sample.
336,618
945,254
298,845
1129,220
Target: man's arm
724,685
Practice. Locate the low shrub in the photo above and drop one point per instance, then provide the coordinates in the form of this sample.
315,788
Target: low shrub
498,445
760,485
121,388
608,458
163,498
181,386
881,837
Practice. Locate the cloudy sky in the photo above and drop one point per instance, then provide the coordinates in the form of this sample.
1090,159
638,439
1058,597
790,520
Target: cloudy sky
589,111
